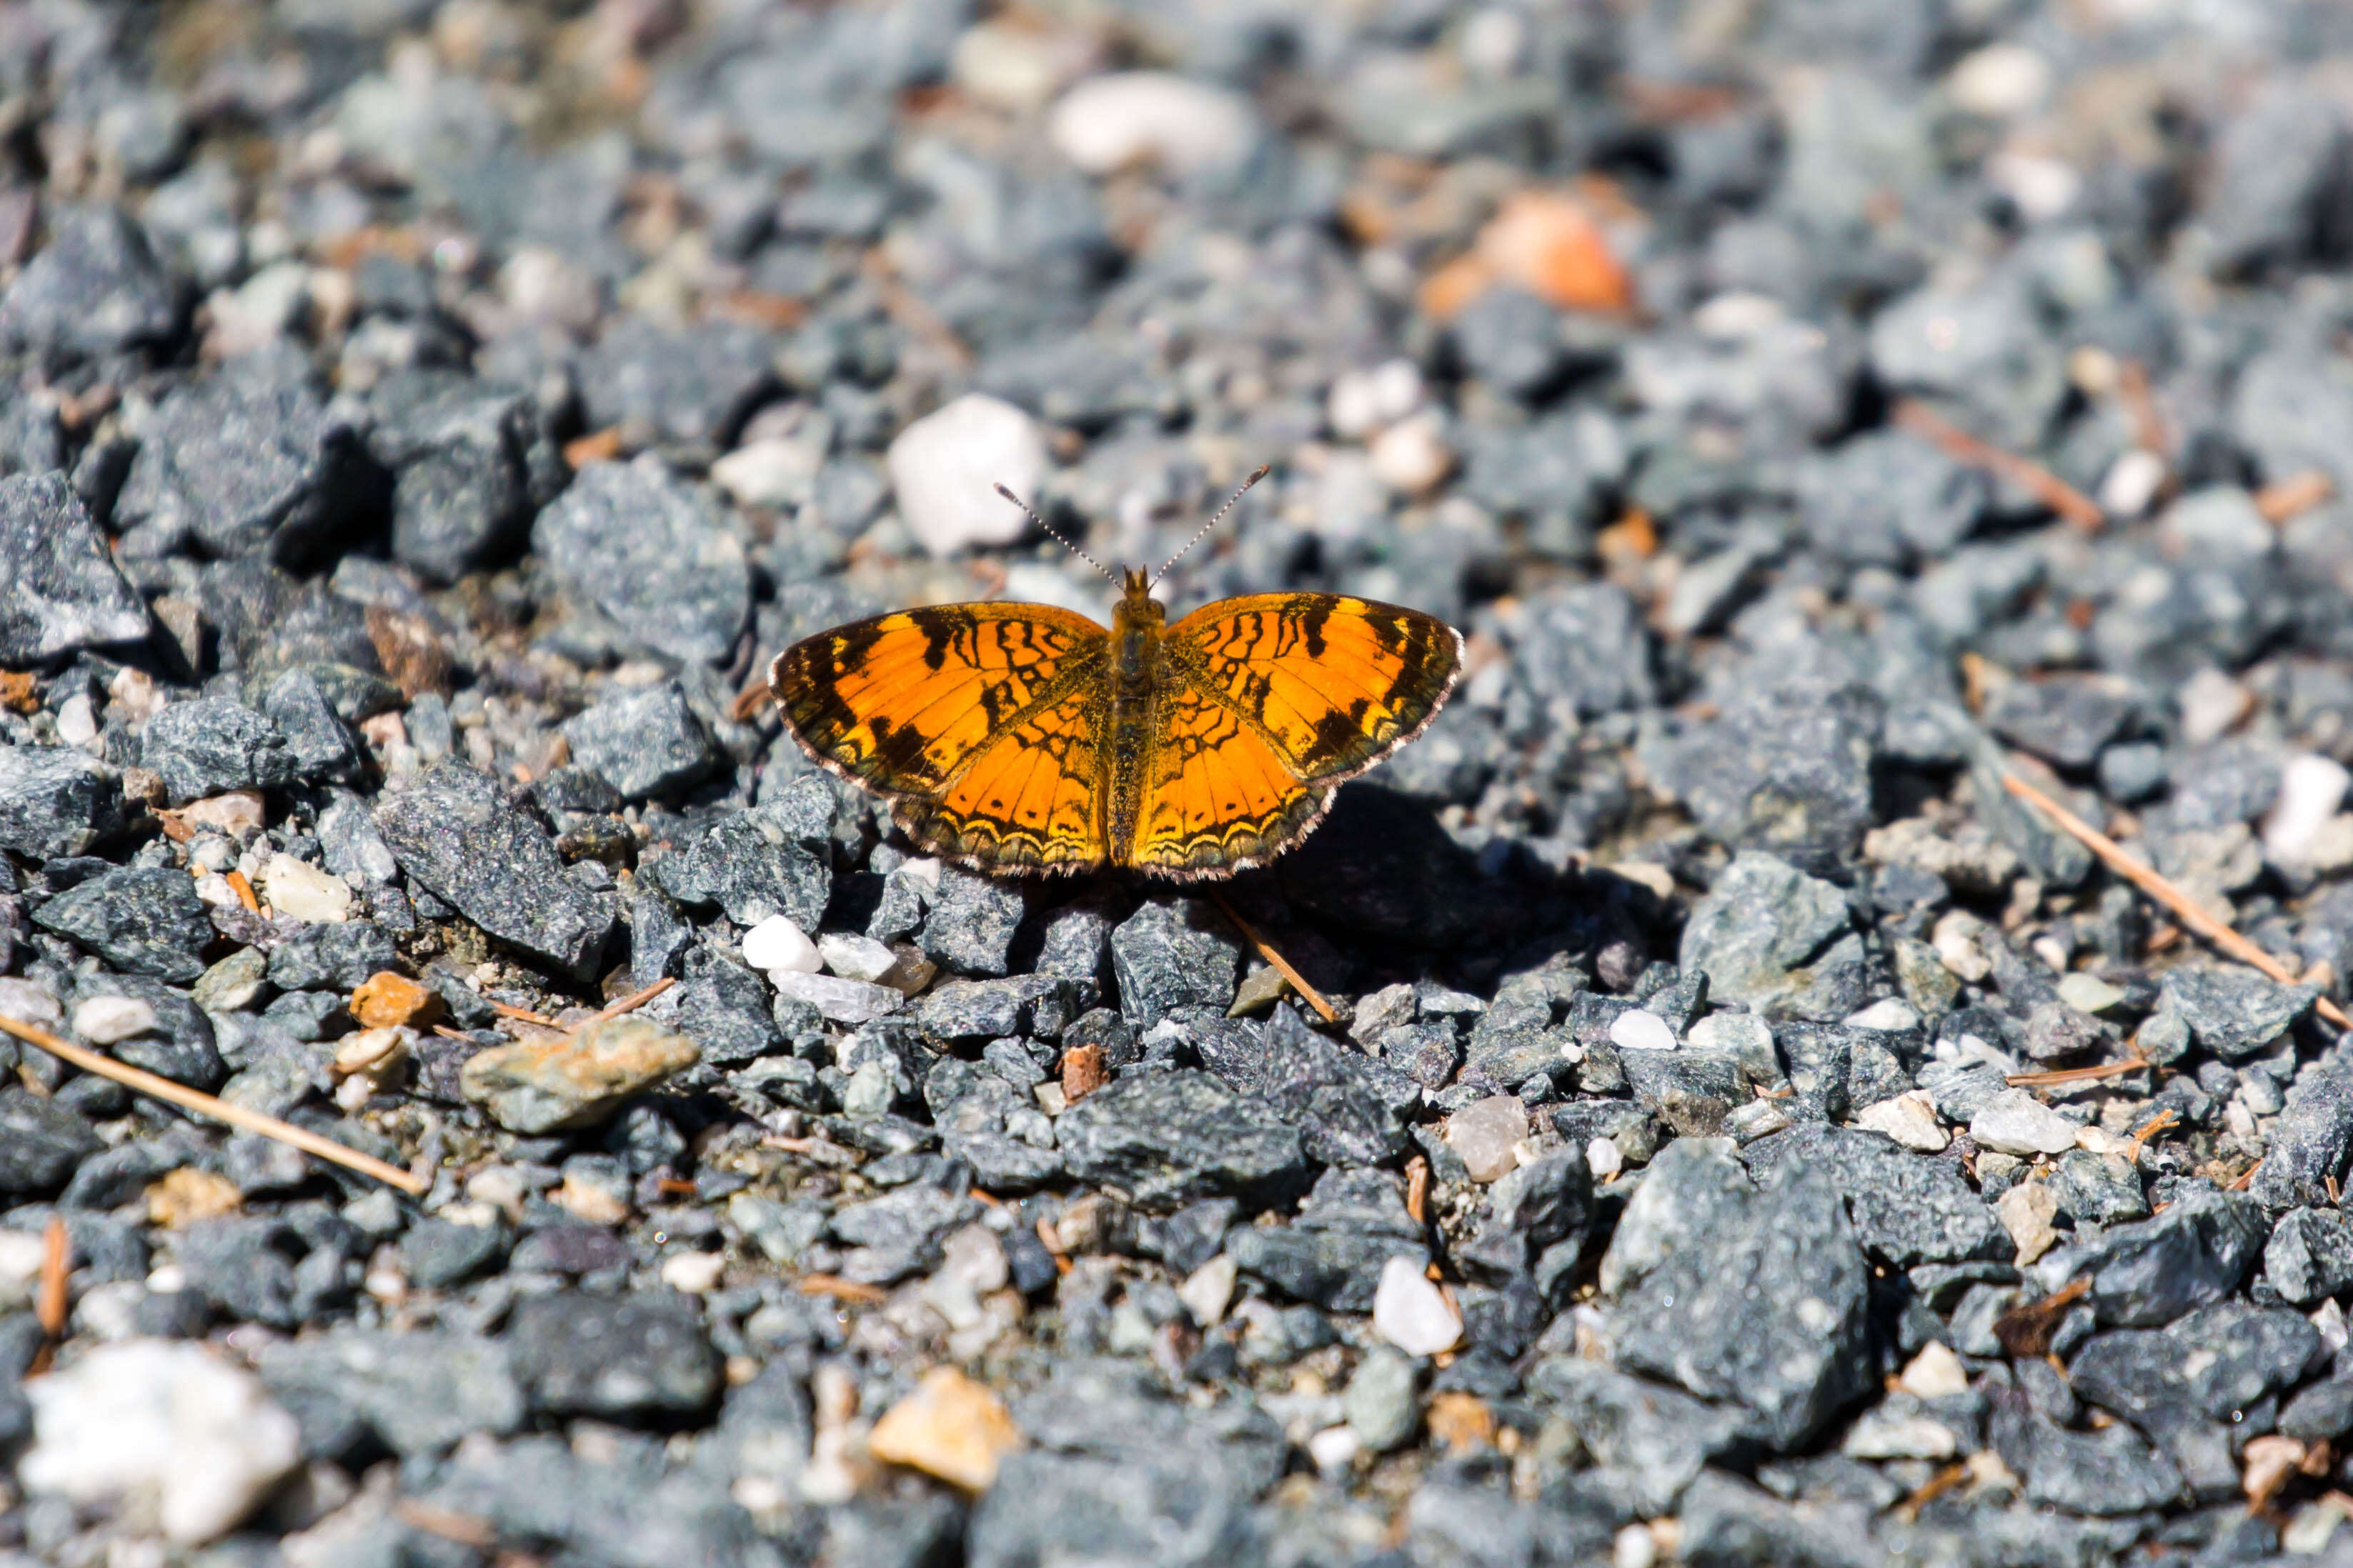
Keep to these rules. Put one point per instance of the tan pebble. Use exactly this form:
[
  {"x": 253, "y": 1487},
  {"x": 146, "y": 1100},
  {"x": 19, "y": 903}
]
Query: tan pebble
[
  {"x": 188, "y": 1194},
  {"x": 951, "y": 1427},
  {"x": 387, "y": 1000},
  {"x": 558, "y": 1082}
]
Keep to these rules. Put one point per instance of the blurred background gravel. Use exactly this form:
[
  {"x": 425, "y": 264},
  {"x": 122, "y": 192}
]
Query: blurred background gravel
[{"x": 420, "y": 423}]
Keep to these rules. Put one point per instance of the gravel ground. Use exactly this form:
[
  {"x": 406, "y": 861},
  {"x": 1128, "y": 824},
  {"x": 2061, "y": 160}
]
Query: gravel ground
[{"x": 421, "y": 425}]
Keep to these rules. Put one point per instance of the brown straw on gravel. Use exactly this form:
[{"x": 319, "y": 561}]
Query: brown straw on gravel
[
  {"x": 2024, "y": 472},
  {"x": 1281, "y": 964},
  {"x": 187, "y": 1099},
  {"x": 2165, "y": 892}
]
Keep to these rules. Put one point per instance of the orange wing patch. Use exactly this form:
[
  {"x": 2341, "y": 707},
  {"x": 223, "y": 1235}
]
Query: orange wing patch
[
  {"x": 1333, "y": 684},
  {"x": 1029, "y": 801},
  {"x": 945, "y": 712},
  {"x": 1217, "y": 797}
]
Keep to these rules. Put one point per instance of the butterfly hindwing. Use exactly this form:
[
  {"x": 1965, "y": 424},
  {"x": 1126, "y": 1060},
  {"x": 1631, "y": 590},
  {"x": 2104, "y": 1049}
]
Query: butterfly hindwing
[
  {"x": 947, "y": 710},
  {"x": 1216, "y": 798},
  {"x": 1333, "y": 684}
]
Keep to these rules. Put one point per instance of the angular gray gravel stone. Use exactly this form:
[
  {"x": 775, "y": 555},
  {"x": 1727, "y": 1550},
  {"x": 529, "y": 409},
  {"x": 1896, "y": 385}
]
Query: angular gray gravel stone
[
  {"x": 455, "y": 834},
  {"x": 2309, "y": 1254},
  {"x": 1658, "y": 1438},
  {"x": 643, "y": 744},
  {"x": 460, "y": 451},
  {"x": 146, "y": 920},
  {"x": 41, "y": 1142},
  {"x": 62, "y": 590},
  {"x": 2311, "y": 1141},
  {"x": 1170, "y": 955},
  {"x": 651, "y": 555},
  {"x": 212, "y": 745},
  {"x": 2231, "y": 1010},
  {"x": 1161, "y": 1140},
  {"x": 637, "y": 1358},
  {"x": 1788, "y": 770},
  {"x": 54, "y": 800},
  {"x": 2147, "y": 1274},
  {"x": 753, "y": 864},
  {"x": 1907, "y": 1208},
  {"x": 94, "y": 290},
  {"x": 1772, "y": 1312},
  {"x": 1763, "y": 929},
  {"x": 420, "y": 1393},
  {"x": 973, "y": 922},
  {"x": 2110, "y": 1471}
]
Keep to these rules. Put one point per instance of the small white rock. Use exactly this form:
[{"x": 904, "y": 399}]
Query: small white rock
[
  {"x": 176, "y": 1438},
  {"x": 1891, "y": 1014},
  {"x": 2087, "y": 993},
  {"x": 1602, "y": 1158},
  {"x": 2026, "y": 1212},
  {"x": 2000, "y": 81},
  {"x": 693, "y": 1273},
  {"x": 855, "y": 957},
  {"x": 1108, "y": 122},
  {"x": 777, "y": 472},
  {"x": 2211, "y": 705},
  {"x": 1362, "y": 401},
  {"x": 1956, "y": 942},
  {"x": 1412, "y": 1313},
  {"x": 1208, "y": 1290},
  {"x": 1934, "y": 1373},
  {"x": 2311, "y": 789},
  {"x": 1634, "y": 1547},
  {"x": 1334, "y": 1448},
  {"x": 1484, "y": 1133},
  {"x": 778, "y": 945},
  {"x": 2132, "y": 483},
  {"x": 29, "y": 1002},
  {"x": 107, "y": 1020},
  {"x": 946, "y": 466},
  {"x": 844, "y": 1001},
  {"x": 22, "y": 1253},
  {"x": 2015, "y": 1122},
  {"x": 1909, "y": 1118},
  {"x": 1636, "y": 1030},
  {"x": 301, "y": 891},
  {"x": 1411, "y": 456}
]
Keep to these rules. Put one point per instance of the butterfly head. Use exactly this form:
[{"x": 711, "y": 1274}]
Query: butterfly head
[{"x": 1136, "y": 605}]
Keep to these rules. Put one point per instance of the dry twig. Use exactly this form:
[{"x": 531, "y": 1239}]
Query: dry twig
[
  {"x": 846, "y": 1289},
  {"x": 2165, "y": 892},
  {"x": 187, "y": 1099},
  {"x": 2077, "y": 1075},
  {"x": 2024, "y": 472},
  {"x": 1283, "y": 965},
  {"x": 2026, "y": 1331},
  {"x": 2298, "y": 493},
  {"x": 629, "y": 1003}
]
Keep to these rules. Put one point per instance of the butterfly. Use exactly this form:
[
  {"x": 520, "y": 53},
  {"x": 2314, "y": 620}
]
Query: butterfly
[{"x": 1024, "y": 738}]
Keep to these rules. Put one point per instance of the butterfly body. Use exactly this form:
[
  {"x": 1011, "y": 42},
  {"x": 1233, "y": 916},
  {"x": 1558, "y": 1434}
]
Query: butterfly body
[{"x": 1024, "y": 738}]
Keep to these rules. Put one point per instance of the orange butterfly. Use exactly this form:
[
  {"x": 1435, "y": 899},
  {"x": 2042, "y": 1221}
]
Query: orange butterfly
[{"x": 1022, "y": 738}]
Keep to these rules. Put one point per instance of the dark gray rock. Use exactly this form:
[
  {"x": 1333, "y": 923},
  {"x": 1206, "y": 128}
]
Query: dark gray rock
[
  {"x": 725, "y": 1009},
  {"x": 94, "y": 290},
  {"x": 968, "y": 1010},
  {"x": 456, "y": 836},
  {"x": 62, "y": 590},
  {"x": 1584, "y": 649},
  {"x": 2098, "y": 1189},
  {"x": 2309, "y": 1254},
  {"x": 2064, "y": 719},
  {"x": 1531, "y": 1210},
  {"x": 436, "y": 1254},
  {"x": 2312, "y": 1138},
  {"x": 1336, "y": 1271},
  {"x": 1772, "y": 1313},
  {"x": 1511, "y": 338},
  {"x": 1658, "y": 1438},
  {"x": 1885, "y": 497},
  {"x": 899, "y": 1233},
  {"x": 689, "y": 384},
  {"x": 651, "y": 554},
  {"x": 1729, "y": 1523},
  {"x": 1173, "y": 954},
  {"x": 145, "y": 919},
  {"x": 2278, "y": 190},
  {"x": 332, "y": 956},
  {"x": 2111, "y": 1471},
  {"x": 637, "y": 1358},
  {"x": 1694, "y": 1188},
  {"x": 769, "y": 860},
  {"x": 2231, "y": 1010},
  {"x": 1349, "y": 1109},
  {"x": 461, "y": 455},
  {"x": 2321, "y": 1412},
  {"x": 319, "y": 742},
  {"x": 2149, "y": 1273},
  {"x": 1907, "y": 1208},
  {"x": 973, "y": 922},
  {"x": 54, "y": 801},
  {"x": 182, "y": 1046},
  {"x": 213, "y": 744},
  {"x": 248, "y": 461},
  {"x": 417, "y": 1393},
  {"x": 41, "y": 1143},
  {"x": 1789, "y": 771},
  {"x": 1162, "y": 1139},
  {"x": 643, "y": 744},
  {"x": 1768, "y": 936}
]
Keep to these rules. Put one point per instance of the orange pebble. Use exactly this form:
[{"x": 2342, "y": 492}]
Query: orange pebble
[
  {"x": 1550, "y": 245},
  {"x": 386, "y": 1001}
]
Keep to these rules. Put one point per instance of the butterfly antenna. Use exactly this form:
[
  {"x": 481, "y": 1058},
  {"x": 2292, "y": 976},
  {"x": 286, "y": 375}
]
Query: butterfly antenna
[
  {"x": 1203, "y": 533},
  {"x": 1050, "y": 529}
]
